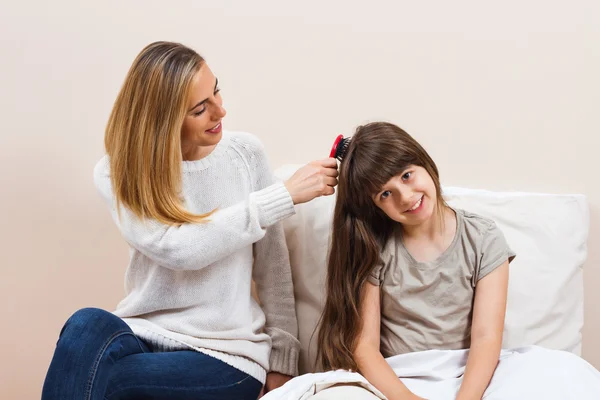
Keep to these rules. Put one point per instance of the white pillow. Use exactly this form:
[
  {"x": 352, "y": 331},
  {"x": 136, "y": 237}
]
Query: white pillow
[{"x": 548, "y": 233}]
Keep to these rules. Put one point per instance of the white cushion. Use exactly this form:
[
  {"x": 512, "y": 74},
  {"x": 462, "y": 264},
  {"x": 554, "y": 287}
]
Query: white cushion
[{"x": 548, "y": 232}]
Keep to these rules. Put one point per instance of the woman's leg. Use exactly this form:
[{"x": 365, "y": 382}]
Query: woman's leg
[
  {"x": 98, "y": 357},
  {"x": 179, "y": 375},
  {"x": 90, "y": 344}
]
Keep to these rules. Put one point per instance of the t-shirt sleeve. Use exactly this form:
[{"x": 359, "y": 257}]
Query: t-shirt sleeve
[
  {"x": 376, "y": 276},
  {"x": 494, "y": 251}
]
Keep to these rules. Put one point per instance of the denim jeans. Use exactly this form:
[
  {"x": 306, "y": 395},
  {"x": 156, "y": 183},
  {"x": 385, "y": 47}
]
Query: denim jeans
[{"x": 98, "y": 357}]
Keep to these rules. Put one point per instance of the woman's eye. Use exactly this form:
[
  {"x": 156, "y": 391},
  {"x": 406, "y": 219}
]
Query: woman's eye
[
  {"x": 406, "y": 176},
  {"x": 385, "y": 194},
  {"x": 197, "y": 114}
]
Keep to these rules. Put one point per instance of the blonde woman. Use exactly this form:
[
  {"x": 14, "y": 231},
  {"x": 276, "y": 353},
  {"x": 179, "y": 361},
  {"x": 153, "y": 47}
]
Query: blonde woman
[{"x": 201, "y": 212}]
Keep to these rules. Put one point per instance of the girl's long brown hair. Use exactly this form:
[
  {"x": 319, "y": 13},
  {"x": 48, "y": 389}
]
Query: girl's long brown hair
[
  {"x": 377, "y": 152},
  {"x": 143, "y": 134}
]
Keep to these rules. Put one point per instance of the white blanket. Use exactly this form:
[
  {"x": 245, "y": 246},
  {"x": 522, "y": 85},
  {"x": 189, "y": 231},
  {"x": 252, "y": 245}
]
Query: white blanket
[{"x": 525, "y": 373}]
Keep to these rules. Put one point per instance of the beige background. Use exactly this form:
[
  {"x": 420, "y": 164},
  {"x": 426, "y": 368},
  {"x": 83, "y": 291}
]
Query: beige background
[{"x": 504, "y": 96}]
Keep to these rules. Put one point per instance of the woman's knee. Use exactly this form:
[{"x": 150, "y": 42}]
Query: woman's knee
[{"x": 88, "y": 322}]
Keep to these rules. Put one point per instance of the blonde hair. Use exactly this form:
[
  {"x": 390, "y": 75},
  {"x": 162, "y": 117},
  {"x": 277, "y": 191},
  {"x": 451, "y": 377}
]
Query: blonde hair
[{"x": 143, "y": 134}]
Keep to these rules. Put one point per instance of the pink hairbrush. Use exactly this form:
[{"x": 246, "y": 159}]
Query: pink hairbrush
[{"x": 340, "y": 147}]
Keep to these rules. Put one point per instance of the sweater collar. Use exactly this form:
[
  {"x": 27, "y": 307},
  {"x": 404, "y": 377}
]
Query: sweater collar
[{"x": 203, "y": 163}]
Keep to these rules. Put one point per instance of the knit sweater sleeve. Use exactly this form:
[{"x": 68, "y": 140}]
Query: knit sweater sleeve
[
  {"x": 193, "y": 246},
  {"x": 273, "y": 277}
]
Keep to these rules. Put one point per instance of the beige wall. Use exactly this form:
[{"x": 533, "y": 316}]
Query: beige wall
[{"x": 504, "y": 95}]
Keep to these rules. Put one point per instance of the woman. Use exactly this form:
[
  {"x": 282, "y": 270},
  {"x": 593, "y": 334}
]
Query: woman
[{"x": 201, "y": 212}]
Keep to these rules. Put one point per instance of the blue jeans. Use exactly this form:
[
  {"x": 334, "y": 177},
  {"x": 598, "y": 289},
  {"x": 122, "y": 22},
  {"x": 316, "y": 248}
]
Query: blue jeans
[{"x": 98, "y": 357}]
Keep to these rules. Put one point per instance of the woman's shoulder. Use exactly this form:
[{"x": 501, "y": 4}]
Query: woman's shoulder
[
  {"x": 102, "y": 170},
  {"x": 249, "y": 147},
  {"x": 102, "y": 177},
  {"x": 246, "y": 141},
  {"x": 102, "y": 167}
]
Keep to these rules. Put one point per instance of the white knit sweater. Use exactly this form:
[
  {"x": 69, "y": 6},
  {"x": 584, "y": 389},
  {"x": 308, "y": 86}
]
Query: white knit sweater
[{"x": 190, "y": 286}]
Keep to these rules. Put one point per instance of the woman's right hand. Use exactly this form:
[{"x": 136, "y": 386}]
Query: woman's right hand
[{"x": 315, "y": 179}]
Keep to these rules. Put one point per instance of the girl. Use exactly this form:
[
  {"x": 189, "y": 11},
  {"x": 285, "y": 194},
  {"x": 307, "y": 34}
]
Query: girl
[
  {"x": 200, "y": 210},
  {"x": 406, "y": 272}
]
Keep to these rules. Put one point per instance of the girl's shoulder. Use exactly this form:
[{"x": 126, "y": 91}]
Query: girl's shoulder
[
  {"x": 485, "y": 240},
  {"x": 388, "y": 250},
  {"x": 474, "y": 224}
]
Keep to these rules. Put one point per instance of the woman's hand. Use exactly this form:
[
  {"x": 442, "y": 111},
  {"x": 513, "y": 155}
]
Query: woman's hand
[
  {"x": 275, "y": 380},
  {"x": 315, "y": 179}
]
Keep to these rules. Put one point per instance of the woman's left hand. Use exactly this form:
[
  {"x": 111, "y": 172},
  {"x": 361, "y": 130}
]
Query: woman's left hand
[{"x": 275, "y": 380}]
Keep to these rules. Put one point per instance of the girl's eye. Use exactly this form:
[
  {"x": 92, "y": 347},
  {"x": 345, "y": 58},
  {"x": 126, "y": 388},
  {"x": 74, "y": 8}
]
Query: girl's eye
[
  {"x": 406, "y": 176},
  {"x": 385, "y": 194}
]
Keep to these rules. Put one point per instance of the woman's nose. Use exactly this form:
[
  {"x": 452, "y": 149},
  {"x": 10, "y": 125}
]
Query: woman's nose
[{"x": 220, "y": 112}]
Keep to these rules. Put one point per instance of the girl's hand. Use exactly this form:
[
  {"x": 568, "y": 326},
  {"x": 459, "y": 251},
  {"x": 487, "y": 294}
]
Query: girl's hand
[{"x": 315, "y": 179}]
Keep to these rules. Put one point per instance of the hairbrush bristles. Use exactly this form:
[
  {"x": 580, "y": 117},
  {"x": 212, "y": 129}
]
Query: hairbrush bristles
[{"x": 340, "y": 147}]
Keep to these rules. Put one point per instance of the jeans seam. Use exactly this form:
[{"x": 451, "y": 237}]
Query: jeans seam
[
  {"x": 216, "y": 387},
  {"x": 94, "y": 369}
]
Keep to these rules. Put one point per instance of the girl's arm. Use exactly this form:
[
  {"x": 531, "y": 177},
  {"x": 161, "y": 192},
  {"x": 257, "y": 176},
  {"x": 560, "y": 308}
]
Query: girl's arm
[
  {"x": 371, "y": 363},
  {"x": 486, "y": 333}
]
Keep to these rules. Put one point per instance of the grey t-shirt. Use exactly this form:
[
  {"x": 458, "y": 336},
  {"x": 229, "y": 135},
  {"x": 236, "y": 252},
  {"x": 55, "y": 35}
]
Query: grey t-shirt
[{"x": 428, "y": 305}]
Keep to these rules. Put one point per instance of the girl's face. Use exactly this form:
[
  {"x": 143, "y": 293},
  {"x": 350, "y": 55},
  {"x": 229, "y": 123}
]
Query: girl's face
[
  {"x": 409, "y": 197},
  {"x": 202, "y": 124}
]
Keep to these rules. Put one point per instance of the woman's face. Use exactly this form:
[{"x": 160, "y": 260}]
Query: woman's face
[{"x": 202, "y": 127}]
